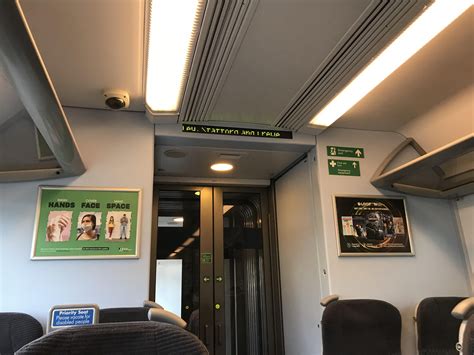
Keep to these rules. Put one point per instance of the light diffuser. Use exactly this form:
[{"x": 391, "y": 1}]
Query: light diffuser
[
  {"x": 173, "y": 28},
  {"x": 431, "y": 22}
]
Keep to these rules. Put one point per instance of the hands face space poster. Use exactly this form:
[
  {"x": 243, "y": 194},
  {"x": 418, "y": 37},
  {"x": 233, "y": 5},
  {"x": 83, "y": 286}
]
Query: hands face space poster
[
  {"x": 372, "y": 225},
  {"x": 86, "y": 223}
]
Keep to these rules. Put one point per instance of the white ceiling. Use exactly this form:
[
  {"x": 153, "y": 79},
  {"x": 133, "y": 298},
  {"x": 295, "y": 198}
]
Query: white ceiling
[
  {"x": 91, "y": 45},
  {"x": 248, "y": 164},
  {"x": 442, "y": 68},
  {"x": 284, "y": 45}
]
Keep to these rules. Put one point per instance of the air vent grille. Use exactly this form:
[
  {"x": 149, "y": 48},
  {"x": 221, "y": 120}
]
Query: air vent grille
[
  {"x": 224, "y": 26},
  {"x": 376, "y": 27}
]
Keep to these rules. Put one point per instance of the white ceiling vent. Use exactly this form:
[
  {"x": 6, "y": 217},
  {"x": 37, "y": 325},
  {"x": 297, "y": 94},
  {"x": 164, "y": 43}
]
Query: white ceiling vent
[
  {"x": 375, "y": 28},
  {"x": 224, "y": 26}
]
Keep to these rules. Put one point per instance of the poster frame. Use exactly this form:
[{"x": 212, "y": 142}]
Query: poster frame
[
  {"x": 41, "y": 188},
  {"x": 376, "y": 197}
]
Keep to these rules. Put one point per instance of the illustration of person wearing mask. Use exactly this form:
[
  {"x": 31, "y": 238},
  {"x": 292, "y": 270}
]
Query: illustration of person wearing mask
[
  {"x": 54, "y": 231},
  {"x": 88, "y": 224},
  {"x": 111, "y": 226}
]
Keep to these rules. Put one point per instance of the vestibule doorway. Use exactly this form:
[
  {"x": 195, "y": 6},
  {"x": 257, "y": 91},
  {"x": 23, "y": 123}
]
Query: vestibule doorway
[{"x": 214, "y": 263}]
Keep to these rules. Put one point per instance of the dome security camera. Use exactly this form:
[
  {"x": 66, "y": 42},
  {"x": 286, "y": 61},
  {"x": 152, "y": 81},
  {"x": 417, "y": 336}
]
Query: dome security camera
[{"x": 116, "y": 99}]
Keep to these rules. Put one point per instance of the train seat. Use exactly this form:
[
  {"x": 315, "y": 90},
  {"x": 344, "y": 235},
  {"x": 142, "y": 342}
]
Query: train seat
[
  {"x": 123, "y": 314},
  {"x": 16, "y": 330},
  {"x": 436, "y": 329},
  {"x": 150, "y": 311},
  {"x": 465, "y": 312},
  {"x": 360, "y": 327},
  {"x": 117, "y": 338}
]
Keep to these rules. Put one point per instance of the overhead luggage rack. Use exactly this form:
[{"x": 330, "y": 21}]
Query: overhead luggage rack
[{"x": 447, "y": 172}]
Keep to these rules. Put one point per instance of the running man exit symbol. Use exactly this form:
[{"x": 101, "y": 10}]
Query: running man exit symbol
[{"x": 347, "y": 152}]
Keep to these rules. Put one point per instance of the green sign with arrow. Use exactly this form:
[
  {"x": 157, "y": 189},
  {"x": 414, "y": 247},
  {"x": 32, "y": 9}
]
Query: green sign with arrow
[
  {"x": 348, "y": 152},
  {"x": 344, "y": 167}
]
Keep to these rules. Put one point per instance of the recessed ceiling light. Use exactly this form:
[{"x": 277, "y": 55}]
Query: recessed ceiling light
[
  {"x": 178, "y": 219},
  {"x": 429, "y": 24},
  {"x": 173, "y": 29},
  {"x": 222, "y": 167}
]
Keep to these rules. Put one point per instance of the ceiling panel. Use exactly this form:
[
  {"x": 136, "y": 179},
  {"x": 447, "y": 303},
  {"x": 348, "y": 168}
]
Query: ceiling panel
[
  {"x": 442, "y": 68},
  {"x": 90, "y": 45},
  {"x": 284, "y": 45},
  {"x": 252, "y": 164}
]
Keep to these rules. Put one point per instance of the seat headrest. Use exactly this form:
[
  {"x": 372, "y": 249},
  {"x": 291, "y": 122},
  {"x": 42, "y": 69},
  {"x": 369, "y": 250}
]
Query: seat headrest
[
  {"x": 464, "y": 309},
  {"x": 113, "y": 338}
]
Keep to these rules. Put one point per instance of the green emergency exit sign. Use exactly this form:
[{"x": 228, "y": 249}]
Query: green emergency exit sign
[
  {"x": 348, "y": 152},
  {"x": 344, "y": 167}
]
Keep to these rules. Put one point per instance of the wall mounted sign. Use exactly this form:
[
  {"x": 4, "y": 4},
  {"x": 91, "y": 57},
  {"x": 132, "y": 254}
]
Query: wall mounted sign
[
  {"x": 372, "y": 225},
  {"x": 232, "y": 131},
  {"x": 64, "y": 316},
  {"x": 86, "y": 223},
  {"x": 348, "y": 152},
  {"x": 344, "y": 167}
]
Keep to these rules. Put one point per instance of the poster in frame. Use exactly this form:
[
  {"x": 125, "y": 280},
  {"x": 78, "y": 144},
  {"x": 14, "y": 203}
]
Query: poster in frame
[
  {"x": 86, "y": 223},
  {"x": 372, "y": 226}
]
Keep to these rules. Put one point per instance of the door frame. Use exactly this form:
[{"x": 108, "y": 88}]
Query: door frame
[{"x": 274, "y": 319}]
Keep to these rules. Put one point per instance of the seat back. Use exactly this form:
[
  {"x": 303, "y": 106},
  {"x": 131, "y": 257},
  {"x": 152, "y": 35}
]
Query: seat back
[
  {"x": 464, "y": 311},
  {"x": 16, "y": 330},
  {"x": 361, "y": 327},
  {"x": 437, "y": 330},
  {"x": 117, "y": 338},
  {"x": 123, "y": 314}
]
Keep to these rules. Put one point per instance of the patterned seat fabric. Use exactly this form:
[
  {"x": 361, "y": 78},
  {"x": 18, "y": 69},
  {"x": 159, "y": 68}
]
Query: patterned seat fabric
[
  {"x": 117, "y": 338},
  {"x": 16, "y": 330}
]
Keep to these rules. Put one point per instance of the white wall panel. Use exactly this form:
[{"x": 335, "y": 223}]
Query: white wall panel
[
  {"x": 465, "y": 214},
  {"x": 437, "y": 269},
  {"x": 300, "y": 284},
  {"x": 117, "y": 148}
]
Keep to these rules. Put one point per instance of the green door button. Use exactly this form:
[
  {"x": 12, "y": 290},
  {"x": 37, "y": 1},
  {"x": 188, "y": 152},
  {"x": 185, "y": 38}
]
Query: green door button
[{"x": 217, "y": 306}]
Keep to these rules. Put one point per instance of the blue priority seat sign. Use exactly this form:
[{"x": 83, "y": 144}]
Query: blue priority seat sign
[{"x": 72, "y": 315}]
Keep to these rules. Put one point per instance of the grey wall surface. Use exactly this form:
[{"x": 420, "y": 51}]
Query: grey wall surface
[
  {"x": 465, "y": 214},
  {"x": 117, "y": 148},
  {"x": 299, "y": 267},
  {"x": 450, "y": 120},
  {"x": 437, "y": 269}
]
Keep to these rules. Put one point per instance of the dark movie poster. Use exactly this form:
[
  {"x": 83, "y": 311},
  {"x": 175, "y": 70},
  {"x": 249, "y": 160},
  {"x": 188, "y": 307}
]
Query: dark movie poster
[{"x": 372, "y": 225}]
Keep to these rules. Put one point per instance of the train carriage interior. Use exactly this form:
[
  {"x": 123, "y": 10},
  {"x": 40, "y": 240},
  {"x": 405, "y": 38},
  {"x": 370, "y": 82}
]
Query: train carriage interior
[{"x": 232, "y": 177}]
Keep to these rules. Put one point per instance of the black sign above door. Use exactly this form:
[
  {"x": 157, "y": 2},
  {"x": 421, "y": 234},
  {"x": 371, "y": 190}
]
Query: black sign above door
[{"x": 232, "y": 131}]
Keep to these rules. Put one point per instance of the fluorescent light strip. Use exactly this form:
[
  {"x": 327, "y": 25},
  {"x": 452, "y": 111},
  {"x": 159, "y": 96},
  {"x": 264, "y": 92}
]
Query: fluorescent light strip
[
  {"x": 429, "y": 24},
  {"x": 173, "y": 31}
]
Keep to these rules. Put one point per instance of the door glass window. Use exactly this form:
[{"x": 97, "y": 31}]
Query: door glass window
[
  {"x": 177, "y": 264},
  {"x": 245, "y": 310}
]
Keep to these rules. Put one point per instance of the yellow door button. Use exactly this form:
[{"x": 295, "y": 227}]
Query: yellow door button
[{"x": 217, "y": 306}]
